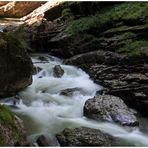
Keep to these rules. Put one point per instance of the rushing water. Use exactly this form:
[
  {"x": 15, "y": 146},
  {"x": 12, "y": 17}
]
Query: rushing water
[{"x": 45, "y": 111}]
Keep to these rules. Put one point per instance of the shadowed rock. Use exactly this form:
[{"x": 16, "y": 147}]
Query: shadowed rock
[{"x": 15, "y": 64}]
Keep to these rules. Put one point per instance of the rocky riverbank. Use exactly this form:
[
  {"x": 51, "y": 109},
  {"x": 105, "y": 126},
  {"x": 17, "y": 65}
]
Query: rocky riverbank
[
  {"x": 16, "y": 74},
  {"x": 107, "y": 40},
  {"x": 109, "y": 43}
]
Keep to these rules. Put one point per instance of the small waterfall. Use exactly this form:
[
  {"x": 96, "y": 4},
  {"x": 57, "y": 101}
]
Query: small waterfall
[{"x": 46, "y": 111}]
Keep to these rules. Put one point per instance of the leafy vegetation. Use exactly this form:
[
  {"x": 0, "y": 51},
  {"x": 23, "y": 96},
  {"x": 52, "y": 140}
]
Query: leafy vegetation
[
  {"x": 134, "y": 48},
  {"x": 118, "y": 22},
  {"x": 67, "y": 14},
  {"x": 15, "y": 40},
  {"x": 6, "y": 117},
  {"x": 125, "y": 13}
]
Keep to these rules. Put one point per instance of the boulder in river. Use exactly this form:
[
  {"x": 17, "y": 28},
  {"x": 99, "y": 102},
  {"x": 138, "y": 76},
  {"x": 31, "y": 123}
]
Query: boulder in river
[
  {"x": 84, "y": 137},
  {"x": 44, "y": 141},
  {"x": 110, "y": 108},
  {"x": 71, "y": 91},
  {"x": 58, "y": 71},
  {"x": 36, "y": 70}
]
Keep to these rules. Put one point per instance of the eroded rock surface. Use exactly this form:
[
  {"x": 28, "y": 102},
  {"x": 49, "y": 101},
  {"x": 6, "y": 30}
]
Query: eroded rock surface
[
  {"x": 109, "y": 108},
  {"x": 84, "y": 137}
]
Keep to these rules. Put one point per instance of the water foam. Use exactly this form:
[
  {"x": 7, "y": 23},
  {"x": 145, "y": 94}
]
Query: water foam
[{"x": 51, "y": 112}]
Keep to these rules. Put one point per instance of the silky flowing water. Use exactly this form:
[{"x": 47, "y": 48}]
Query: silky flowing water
[{"x": 46, "y": 112}]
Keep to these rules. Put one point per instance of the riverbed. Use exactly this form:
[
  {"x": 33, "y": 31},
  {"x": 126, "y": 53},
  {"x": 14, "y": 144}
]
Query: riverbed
[{"x": 46, "y": 111}]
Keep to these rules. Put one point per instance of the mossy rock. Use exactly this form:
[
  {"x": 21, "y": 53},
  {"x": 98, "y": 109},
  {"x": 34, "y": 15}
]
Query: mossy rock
[
  {"x": 16, "y": 39},
  {"x": 15, "y": 63},
  {"x": 128, "y": 13},
  {"x": 67, "y": 14},
  {"x": 6, "y": 116},
  {"x": 136, "y": 48},
  {"x": 11, "y": 129}
]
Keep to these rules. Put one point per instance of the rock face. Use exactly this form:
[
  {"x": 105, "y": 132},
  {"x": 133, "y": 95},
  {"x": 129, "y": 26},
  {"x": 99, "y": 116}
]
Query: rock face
[
  {"x": 99, "y": 56},
  {"x": 84, "y": 137},
  {"x": 15, "y": 64},
  {"x": 126, "y": 81},
  {"x": 12, "y": 131},
  {"x": 109, "y": 108},
  {"x": 110, "y": 44}
]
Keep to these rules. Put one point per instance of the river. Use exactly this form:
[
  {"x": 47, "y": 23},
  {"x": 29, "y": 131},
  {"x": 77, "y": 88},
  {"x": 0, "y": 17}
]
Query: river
[{"x": 46, "y": 111}]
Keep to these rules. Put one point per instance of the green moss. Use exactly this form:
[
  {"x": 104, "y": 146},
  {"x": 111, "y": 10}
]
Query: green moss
[
  {"x": 15, "y": 40},
  {"x": 79, "y": 26},
  {"x": 126, "y": 35},
  {"x": 124, "y": 13},
  {"x": 3, "y": 43},
  {"x": 2, "y": 141},
  {"x": 135, "y": 48},
  {"x": 67, "y": 14},
  {"x": 9, "y": 128},
  {"x": 6, "y": 116}
]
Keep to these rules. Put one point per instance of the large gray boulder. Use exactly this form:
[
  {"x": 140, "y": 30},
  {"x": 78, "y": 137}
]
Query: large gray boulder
[
  {"x": 84, "y": 137},
  {"x": 109, "y": 108}
]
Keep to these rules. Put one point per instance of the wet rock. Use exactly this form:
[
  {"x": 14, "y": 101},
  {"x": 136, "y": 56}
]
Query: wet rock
[
  {"x": 43, "y": 59},
  {"x": 113, "y": 54},
  {"x": 58, "y": 71},
  {"x": 36, "y": 70},
  {"x": 44, "y": 141},
  {"x": 12, "y": 131},
  {"x": 84, "y": 137},
  {"x": 126, "y": 81},
  {"x": 110, "y": 108},
  {"x": 71, "y": 91}
]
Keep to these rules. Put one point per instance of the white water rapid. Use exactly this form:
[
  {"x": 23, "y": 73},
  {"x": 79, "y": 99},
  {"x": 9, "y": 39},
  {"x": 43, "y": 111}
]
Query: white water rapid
[{"x": 47, "y": 112}]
